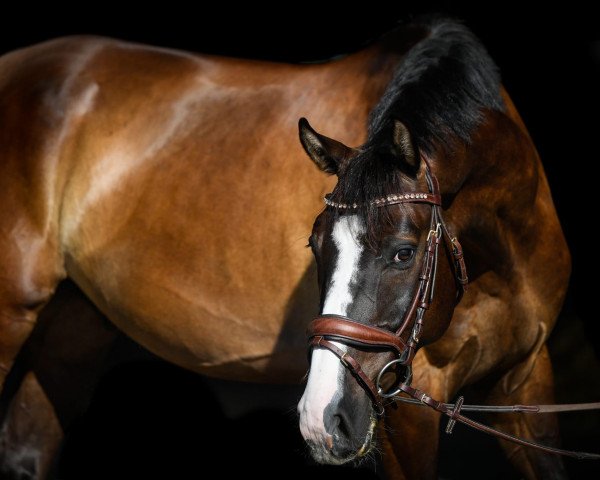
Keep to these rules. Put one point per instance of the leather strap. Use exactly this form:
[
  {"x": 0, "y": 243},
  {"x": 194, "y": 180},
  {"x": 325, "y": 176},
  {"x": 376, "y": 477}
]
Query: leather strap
[
  {"x": 418, "y": 397},
  {"x": 460, "y": 269},
  {"x": 454, "y": 413},
  {"x": 354, "y": 367},
  {"x": 556, "y": 408},
  {"x": 339, "y": 327}
]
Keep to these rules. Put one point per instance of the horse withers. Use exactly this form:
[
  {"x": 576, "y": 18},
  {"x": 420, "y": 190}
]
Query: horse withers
[{"x": 446, "y": 158}]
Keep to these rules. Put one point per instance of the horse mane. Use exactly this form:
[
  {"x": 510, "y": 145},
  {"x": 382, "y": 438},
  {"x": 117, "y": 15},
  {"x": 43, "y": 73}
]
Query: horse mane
[
  {"x": 441, "y": 87},
  {"x": 440, "y": 91}
]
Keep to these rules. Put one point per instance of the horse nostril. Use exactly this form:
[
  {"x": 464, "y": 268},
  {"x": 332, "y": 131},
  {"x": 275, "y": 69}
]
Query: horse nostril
[
  {"x": 341, "y": 445},
  {"x": 341, "y": 427},
  {"x": 334, "y": 423}
]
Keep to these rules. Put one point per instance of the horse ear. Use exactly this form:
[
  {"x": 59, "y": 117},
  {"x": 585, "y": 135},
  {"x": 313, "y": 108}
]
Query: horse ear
[
  {"x": 327, "y": 153},
  {"x": 403, "y": 145}
]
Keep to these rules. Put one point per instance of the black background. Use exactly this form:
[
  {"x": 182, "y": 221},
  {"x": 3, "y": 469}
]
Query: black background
[{"x": 152, "y": 417}]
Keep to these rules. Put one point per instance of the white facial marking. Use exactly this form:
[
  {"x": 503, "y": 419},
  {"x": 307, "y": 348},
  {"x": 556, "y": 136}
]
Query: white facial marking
[
  {"x": 345, "y": 235},
  {"x": 326, "y": 370}
]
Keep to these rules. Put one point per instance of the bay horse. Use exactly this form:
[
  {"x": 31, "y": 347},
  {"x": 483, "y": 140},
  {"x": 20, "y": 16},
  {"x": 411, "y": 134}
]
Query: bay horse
[{"x": 170, "y": 187}]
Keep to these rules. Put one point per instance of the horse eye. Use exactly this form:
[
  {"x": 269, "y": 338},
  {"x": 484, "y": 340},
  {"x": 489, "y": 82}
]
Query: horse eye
[{"x": 404, "y": 255}]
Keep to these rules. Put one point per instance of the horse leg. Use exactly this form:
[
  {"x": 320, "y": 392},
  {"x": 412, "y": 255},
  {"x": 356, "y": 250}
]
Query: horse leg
[
  {"x": 409, "y": 443},
  {"x": 62, "y": 362},
  {"x": 530, "y": 382},
  {"x": 30, "y": 269},
  {"x": 31, "y": 433}
]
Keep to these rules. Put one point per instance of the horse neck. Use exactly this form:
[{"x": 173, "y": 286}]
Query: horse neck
[{"x": 489, "y": 189}]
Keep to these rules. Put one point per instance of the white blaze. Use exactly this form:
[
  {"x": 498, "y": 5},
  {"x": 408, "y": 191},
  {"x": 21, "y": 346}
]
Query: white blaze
[
  {"x": 326, "y": 370},
  {"x": 345, "y": 233}
]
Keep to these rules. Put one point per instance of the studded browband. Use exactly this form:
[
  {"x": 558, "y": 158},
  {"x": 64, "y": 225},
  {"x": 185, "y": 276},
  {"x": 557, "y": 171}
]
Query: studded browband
[{"x": 389, "y": 200}]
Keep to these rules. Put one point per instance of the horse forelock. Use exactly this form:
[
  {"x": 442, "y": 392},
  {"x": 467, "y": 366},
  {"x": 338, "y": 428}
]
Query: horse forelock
[{"x": 367, "y": 177}]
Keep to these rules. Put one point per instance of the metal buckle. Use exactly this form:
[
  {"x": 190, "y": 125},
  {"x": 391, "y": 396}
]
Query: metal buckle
[
  {"x": 436, "y": 233},
  {"x": 416, "y": 333},
  {"x": 454, "y": 242}
]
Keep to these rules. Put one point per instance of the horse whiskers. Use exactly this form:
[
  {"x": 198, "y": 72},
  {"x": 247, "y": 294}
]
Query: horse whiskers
[{"x": 368, "y": 444}]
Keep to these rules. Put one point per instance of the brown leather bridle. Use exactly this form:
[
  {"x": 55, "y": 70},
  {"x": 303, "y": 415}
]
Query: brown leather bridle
[{"x": 326, "y": 329}]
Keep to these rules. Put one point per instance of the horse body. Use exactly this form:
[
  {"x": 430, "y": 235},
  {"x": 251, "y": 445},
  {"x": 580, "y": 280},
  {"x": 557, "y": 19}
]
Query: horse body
[
  {"x": 152, "y": 170},
  {"x": 171, "y": 189}
]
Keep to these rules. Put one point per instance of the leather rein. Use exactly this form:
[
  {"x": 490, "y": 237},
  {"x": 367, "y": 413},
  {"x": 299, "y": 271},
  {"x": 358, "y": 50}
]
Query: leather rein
[{"x": 324, "y": 330}]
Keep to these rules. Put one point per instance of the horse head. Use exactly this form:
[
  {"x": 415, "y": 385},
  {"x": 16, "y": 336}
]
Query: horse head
[{"x": 376, "y": 247}]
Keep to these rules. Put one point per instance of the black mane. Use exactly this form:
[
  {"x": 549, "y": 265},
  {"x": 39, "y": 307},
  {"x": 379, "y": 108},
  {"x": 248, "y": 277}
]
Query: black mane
[
  {"x": 440, "y": 87},
  {"x": 439, "y": 91}
]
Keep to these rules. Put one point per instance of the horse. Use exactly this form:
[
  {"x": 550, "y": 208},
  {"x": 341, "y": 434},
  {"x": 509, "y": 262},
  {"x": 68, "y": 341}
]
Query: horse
[
  {"x": 171, "y": 189},
  {"x": 446, "y": 157}
]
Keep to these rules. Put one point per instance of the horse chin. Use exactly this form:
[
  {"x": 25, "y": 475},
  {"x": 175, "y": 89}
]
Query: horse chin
[{"x": 326, "y": 457}]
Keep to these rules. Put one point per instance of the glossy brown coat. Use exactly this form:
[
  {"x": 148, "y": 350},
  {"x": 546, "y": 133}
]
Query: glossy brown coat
[{"x": 172, "y": 189}]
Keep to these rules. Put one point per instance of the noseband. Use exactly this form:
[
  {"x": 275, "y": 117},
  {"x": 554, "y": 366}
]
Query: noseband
[{"x": 325, "y": 329}]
